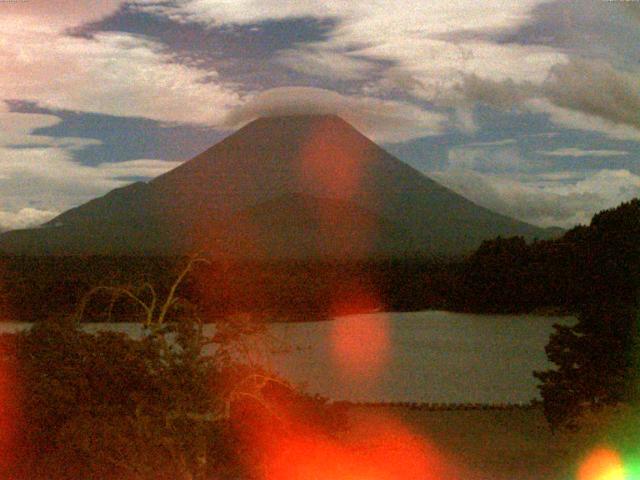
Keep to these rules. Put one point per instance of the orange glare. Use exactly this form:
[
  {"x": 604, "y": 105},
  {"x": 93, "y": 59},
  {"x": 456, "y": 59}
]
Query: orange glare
[
  {"x": 360, "y": 344},
  {"x": 376, "y": 449},
  {"x": 8, "y": 410},
  {"x": 602, "y": 464},
  {"x": 331, "y": 164}
]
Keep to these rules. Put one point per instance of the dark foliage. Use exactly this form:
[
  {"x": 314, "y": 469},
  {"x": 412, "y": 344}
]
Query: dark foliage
[
  {"x": 596, "y": 359},
  {"x": 110, "y": 407},
  {"x": 33, "y": 288}
]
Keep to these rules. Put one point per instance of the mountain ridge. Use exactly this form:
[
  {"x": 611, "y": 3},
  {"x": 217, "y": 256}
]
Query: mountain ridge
[{"x": 319, "y": 157}]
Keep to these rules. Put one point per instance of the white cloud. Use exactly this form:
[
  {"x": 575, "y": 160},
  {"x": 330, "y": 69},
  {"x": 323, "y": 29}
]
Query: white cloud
[
  {"x": 495, "y": 143},
  {"x": 24, "y": 218},
  {"x": 576, "y": 120},
  {"x": 576, "y": 152},
  {"x": 217, "y": 12},
  {"x": 384, "y": 120},
  {"x": 112, "y": 73},
  {"x": 576, "y": 94},
  {"x": 360, "y": 19},
  {"x": 147, "y": 168},
  {"x": 41, "y": 178},
  {"x": 501, "y": 157},
  {"x": 409, "y": 36},
  {"x": 16, "y": 128},
  {"x": 319, "y": 61},
  {"x": 49, "y": 180},
  {"x": 497, "y": 176},
  {"x": 562, "y": 199},
  {"x": 60, "y": 14},
  {"x": 464, "y": 120},
  {"x": 596, "y": 89},
  {"x": 541, "y": 135}
]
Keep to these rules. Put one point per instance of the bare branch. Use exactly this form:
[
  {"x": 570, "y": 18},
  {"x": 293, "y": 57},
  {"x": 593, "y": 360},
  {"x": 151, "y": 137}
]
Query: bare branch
[{"x": 172, "y": 292}]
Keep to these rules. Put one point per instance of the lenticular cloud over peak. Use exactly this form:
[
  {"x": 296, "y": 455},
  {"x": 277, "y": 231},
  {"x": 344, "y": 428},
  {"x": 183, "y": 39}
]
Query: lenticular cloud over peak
[{"x": 385, "y": 121}]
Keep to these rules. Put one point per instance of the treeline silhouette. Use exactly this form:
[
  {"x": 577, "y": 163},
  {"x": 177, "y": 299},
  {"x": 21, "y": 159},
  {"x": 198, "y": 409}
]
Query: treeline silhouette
[
  {"x": 33, "y": 288},
  {"x": 596, "y": 359},
  {"x": 504, "y": 275}
]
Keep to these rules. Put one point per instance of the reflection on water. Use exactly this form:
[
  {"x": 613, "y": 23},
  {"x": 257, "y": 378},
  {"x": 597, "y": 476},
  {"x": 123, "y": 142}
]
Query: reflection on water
[{"x": 432, "y": 356}]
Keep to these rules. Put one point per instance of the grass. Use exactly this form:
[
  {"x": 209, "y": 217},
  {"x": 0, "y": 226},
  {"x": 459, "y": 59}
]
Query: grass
[{"x": 511, "y": 444}]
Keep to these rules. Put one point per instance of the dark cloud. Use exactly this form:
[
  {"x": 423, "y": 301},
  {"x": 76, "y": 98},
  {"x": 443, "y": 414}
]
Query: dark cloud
[
  {"x": 595, "y": 88},
  {"x": 591, "y": 28},
  {"x": 587, "y": 87},
  {"x": 241, "y": 53},
  {"x": 501, "y": 94},
  {"x": 123, "y": 138}
]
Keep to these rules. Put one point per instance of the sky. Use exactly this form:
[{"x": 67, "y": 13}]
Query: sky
[{"x": 530, "y": 108}]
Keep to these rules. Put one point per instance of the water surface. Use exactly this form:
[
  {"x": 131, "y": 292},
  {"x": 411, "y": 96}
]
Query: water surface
[{"x": 432, "y": 356}]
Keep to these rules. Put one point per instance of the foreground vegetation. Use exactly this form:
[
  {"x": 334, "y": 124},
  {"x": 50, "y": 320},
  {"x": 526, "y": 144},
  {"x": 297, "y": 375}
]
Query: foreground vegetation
[
  {"x": 516, "y": 443},
  {"x": 108, "y": 406},
  {"x": 501, "y": 276}
]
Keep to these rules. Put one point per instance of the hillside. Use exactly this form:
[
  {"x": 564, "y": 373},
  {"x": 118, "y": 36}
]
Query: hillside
[{"x": 231, "y": 200}]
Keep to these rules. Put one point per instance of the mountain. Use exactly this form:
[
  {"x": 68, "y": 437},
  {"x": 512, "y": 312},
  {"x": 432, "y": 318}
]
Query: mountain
[{"x": 280, "y": 187}]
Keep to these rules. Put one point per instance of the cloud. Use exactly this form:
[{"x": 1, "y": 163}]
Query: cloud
[
  {"x": 497, "y": 176},
  {"x": 40, "y": 178},
  {"x": 576, "y": 120},
  {"x": 409, "y": 38},
  {"x": 501, "y": 94},
  {"x": 562, "y": 199},
  {"x": 49, "y": 180},
  {"x": 16, "y": 128},
  {"x": 60, "y": 14},
  {"x": 384, "y": 120},
  {"x": 486, "y": 157},
  {"x": 495, "y": 143},
  {"x": 319, "y": 61},
  {"x": 541, "y": 135},
  {"x": 579, "y": 94},
  {"x": 218, "y": 12},
  {"x": 147, "y": 168},
  {"x": 111, "y": 73},
  {"x": 362, "y": 19},
  {"x": 576, "y": 152},
  {"x": 596, "y": 89},
  {"x": 24, "y": 218}
]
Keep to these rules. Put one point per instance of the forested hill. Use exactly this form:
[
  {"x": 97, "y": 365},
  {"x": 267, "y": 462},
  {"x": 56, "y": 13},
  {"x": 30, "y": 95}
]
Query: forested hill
[
  {"x": 504, "y": 275},
  {"x": 585, "y": 265}
]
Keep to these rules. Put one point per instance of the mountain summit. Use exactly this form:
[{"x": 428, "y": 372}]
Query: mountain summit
[{"x": 280, "y": 187}]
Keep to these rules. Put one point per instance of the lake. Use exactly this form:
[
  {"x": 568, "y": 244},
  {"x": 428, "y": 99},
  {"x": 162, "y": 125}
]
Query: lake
[{"x": 429, "y": 356}]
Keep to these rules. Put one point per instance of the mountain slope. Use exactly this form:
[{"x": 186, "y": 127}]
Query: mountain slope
[{"x": 306, "y": 169}]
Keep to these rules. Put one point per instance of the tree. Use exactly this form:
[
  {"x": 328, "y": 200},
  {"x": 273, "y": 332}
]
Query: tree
[
  {"x": 109, "y": 406},
  {"x": 596, "y": 358},
  {"x": 106, "y": 405},
  {"x": 494, "y": 276},
  {"x": 595, "y": 364}
]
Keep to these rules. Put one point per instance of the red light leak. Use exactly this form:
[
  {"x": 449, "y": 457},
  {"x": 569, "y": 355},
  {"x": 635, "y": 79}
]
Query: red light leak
[
  {"x": 602, "y": 464},
  {"x": 377, "y": 449},
  {"x": 360, "y": 345},
  {"x": 374, "y": 447},
  {"x": 9, "y": 409},
  {"x": 334, "y": 167}
]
